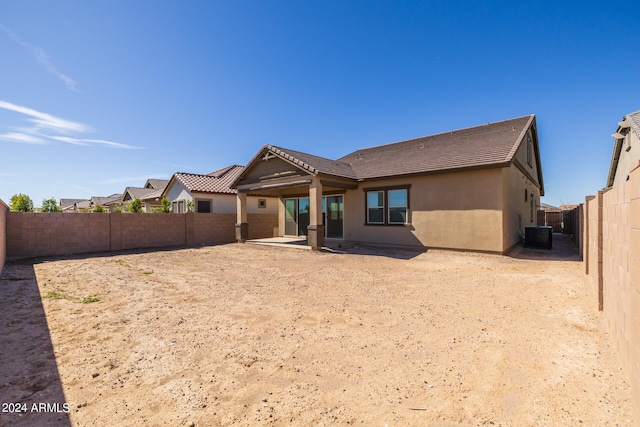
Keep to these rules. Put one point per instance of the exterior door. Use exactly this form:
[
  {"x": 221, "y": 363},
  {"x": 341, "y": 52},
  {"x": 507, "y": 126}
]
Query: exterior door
[
  {"x": 334, "y": 215},
  {"x": 291, "y": 217}
]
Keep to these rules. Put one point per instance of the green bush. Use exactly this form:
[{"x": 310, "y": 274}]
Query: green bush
[
  {"x": 50, "y": 205},
  {"x": 135, "y": 206},
  {"x": 21, "y": 203},
  {"x": 98, "y": 209},
  {"x": 166, "y": 205}
]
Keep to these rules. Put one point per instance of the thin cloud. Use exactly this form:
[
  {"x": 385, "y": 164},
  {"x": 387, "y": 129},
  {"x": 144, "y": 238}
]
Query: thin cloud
[
  {"x": 22, "y": 138},
  {"x": 78, "y": 141},
  {"x": 45, "y": 127},
  {"x": 42, "y": 57}
]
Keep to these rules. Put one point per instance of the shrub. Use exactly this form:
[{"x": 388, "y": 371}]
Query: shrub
[
  {"x": 166, "y": 205},
  {"x": 135, "y": 206},
  {"x": 98, "y": 209},
  {"x": 21, "y": 203},
  {"x": 50, "y": 205},
  {"x": 191, "y": 207}
]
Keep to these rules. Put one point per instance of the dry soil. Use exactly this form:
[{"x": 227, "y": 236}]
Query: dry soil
[{"x": 256, "y": 335}]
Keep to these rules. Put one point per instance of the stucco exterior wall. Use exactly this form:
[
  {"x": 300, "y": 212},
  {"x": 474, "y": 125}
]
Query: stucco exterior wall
[
  {"x": 223, "y": 203},
  {"x": 517, "y": 211},
  {"x": 4, "y": 209},
  {"x": 460, "y": 210},
  {"x": 521, "y": 157},
  {"x": 629, "y": 157}
]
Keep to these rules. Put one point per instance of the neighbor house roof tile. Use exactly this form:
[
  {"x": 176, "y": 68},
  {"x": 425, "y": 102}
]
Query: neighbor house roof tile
[{"x": 215, "y": 182}]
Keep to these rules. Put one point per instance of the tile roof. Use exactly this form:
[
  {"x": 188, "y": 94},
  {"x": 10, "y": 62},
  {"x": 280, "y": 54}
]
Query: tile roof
[
  {"x": 156, "y": 184},
  {"x": 137, "y": 192},
  {"x": 489, "y": 145},
  {"x": 68, "y": 203},
  {"x": 99, "y": 200},
  {"x": 479, "y": 146},
  {"x": 315, "y": 164},
  {"x": 634, "y": 121},
  {"x": 215, "y": 182}
]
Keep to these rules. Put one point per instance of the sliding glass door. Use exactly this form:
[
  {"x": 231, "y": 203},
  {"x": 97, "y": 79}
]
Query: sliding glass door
[{"x": 297, "y": 219}]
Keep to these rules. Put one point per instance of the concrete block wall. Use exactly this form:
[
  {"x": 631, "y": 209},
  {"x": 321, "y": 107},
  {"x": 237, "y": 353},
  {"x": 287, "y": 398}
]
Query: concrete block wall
[
  {"x": 262, "y": 225},
  {"x": 4, "y": 209},
  {"x": 31, "y": 235},
  {"x": 612, "y": 258},
  {"x": 211, "y": 229},
  {"x": 41, "y": 234}
]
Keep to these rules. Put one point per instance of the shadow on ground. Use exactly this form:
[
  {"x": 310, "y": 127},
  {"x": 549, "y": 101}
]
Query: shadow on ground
[
  {"x": 31, "y": 393},
  {"x": 563, "y": 249}
]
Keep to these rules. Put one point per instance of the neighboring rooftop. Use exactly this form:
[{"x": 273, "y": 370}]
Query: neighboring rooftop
[{"x": 214, "y": 182}]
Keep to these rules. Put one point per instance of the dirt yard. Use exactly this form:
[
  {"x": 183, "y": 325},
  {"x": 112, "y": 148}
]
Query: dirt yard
[{"x": 256, "y": 335}]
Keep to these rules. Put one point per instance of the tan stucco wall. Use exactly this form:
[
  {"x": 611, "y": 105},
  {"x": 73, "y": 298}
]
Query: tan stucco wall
[
  {"x": 520, "y": 156},
  {"x": 460, "y": 210},
  {"x": 517, "y": 213},
  {"x": 222, "y": 203},
  {"x": 3, "y": 234},
  {"x": 628, "y": 159}
]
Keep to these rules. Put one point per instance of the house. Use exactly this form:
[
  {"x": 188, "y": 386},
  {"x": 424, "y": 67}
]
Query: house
[
  {"x": 211, "y": 193},
  {"x": 105, "y": 202},
  {"x": 626, "y": 149},
  {"x": 69, "y": 205},
  {"x": 150, "y": 194},
  {"x": 469, "y": 189}
]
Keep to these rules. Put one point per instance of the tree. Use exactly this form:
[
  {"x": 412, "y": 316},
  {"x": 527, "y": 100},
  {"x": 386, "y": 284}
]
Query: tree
[
  {"x": 21, "y": 203},
  {"x": 135, "y": 206},
  {"x": 191, "y": 207},
  {"x": 98, "y": 209},
  {"x": 50, "y": 205},
  {"x": 166, "y": 205}
]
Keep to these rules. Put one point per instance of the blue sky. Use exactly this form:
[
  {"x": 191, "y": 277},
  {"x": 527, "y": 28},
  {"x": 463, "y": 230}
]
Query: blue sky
[{"x": 97, "y": 96}]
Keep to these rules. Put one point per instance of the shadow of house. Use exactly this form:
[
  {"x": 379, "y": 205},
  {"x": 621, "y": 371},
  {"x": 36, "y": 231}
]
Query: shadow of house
[{"x": 29, "y": 374}]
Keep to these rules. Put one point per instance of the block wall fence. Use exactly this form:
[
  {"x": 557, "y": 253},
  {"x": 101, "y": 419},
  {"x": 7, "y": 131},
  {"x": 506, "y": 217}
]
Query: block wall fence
[
  {"x": 4, "y": 209},
  {"x": 612, "y": 262},
  {"x": 30, "y": 235}
]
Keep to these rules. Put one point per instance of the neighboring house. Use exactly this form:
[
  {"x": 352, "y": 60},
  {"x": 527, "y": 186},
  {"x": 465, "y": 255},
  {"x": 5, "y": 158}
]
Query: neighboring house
[
  {"x": 470, "y": 189},
  {"x": 212, "y": 193},
  {"x": 69, "y": 205},
  {"x": 148, "y": 196},
  {"x": 626, "y": 149},
  {"x": 105, "y": 202},
  {"x": 156, "y": 184}
]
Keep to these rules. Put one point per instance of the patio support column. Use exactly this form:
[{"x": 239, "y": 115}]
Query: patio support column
[
  {"x": 316, "y": 228},
  {"x": 242, "y": 226}
]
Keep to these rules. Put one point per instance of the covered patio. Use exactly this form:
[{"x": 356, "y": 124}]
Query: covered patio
[{"x": 311, "y": 198}]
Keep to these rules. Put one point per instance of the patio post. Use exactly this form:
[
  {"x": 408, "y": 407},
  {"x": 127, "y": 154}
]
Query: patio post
[
  {"x": 316, "y": 228},
  {"x": 242, "y": 226}
]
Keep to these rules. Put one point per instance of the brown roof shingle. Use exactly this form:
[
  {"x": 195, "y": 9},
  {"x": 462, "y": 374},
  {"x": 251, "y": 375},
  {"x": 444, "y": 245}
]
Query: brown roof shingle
[{"x": 479, "y": 146}]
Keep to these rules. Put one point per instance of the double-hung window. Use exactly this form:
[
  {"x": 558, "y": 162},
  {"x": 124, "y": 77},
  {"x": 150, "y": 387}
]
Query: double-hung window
[{"x": 387, "y": 206}]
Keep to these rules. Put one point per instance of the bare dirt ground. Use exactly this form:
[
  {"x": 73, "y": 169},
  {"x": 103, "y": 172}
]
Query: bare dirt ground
[{"x": 255, "y": 335}]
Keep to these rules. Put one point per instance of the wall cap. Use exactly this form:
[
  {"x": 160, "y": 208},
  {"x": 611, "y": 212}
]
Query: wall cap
[{"x": 4, "y": 204}]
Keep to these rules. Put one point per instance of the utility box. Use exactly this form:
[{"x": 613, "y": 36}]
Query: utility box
[{"x": 538, "y": 237}]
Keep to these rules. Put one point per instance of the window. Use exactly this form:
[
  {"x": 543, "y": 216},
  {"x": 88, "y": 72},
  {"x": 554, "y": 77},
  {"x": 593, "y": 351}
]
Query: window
[
  {"x": 262, "y": 203},
  {"x": 375, "y": 207},
  {"x": 204, "y": 206},
  {"x": 178, "y": 206},
  {"x": 387, "y": 206},
  {"x": 397, "y": 206}
]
